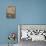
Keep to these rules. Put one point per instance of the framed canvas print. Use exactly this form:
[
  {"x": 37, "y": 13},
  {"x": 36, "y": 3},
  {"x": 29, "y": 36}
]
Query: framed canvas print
[
  {"x": 32, "y": 32},
  {"x": 11, "y": 11}
]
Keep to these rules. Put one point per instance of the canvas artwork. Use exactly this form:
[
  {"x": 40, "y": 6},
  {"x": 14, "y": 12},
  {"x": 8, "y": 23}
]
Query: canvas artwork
[
  {"x": 33, "y": 32},
  {"x": 11, "y": 11}
]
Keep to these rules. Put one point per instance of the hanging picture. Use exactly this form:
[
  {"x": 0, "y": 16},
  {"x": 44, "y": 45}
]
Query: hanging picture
[
  {"x": 11, "y": 11},
  {"x": 32, "y": 32}
]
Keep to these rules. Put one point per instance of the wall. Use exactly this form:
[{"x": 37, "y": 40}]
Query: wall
[
  {"x": 27, "y": 12},
  {"x": 6, "y": 25},
  {"x": 31, "y": 11}
]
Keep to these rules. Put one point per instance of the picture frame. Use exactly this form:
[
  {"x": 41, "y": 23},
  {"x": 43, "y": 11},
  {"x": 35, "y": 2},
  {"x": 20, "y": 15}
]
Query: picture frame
[{"x": 11, "y": 11}]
